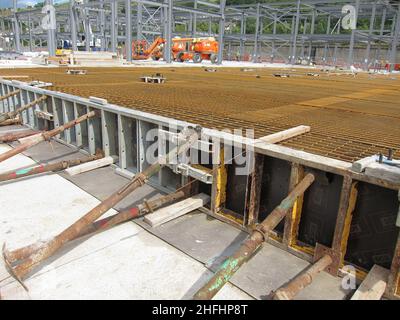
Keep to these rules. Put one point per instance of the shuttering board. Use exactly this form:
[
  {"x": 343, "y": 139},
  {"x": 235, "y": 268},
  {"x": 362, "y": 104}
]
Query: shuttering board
[
  {"x": 373, "y": 232},
  {"x": 320, "y": 208},
  {"x": 274, "y": 186}
]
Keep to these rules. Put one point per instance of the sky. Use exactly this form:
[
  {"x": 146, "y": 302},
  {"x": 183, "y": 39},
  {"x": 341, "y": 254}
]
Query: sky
[{"x": 23, "y": 3}]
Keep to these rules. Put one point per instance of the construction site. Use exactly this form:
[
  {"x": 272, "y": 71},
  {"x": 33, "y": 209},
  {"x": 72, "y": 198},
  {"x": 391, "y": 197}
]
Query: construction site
[{"x": 180, "y": 150}]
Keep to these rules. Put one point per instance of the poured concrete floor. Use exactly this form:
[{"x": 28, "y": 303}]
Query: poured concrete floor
[{"x": 131, "y": 261}]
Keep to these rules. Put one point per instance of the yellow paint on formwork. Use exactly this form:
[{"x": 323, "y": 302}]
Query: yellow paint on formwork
[
  {"x": 306, "y": 249},
  {"x": 347, "y": 222},
  {"x": 397, "y": 290},
  {"x": 221, "y": 181},
  {"x": 231, "y": 217},
  {"x": 296, "y": 214}
]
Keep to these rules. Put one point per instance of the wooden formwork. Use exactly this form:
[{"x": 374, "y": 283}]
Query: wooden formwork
[{"x": 335, "y": 212}]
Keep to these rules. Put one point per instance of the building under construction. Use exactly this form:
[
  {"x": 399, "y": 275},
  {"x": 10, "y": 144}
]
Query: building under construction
[{"x": 267, "y": 167}]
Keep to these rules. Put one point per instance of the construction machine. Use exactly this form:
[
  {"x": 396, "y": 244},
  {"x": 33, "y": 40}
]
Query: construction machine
[
  {"x": 154, "y": 51},
  {"x": 196, "y": 49},
  {"x": 183, "y": 49}
]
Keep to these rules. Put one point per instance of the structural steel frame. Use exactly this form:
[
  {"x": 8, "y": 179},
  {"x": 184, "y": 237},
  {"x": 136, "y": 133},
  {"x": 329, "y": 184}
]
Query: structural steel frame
[{"x": 283, "y": 32}]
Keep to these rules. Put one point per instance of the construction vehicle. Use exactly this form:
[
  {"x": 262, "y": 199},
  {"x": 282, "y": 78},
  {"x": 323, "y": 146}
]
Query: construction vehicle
[
  {"x": 196, "y": 49},
  {"x": 183, "y": 49},
  {"x": 154, "y": 51}
]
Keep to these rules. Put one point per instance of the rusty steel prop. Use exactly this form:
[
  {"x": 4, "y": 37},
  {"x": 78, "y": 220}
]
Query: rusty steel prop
[
  {"x": 8, "y": 95},
  {"x": 45, "y": 136},
  {"x": 189, "y": 136},
  {"x": 100, "y": 225},
  {"x": 11, "y": 122},
  {"x": 259, "y": 234},
  {"x": 289, "y": 291},
  {"x": 24, "y": 172},
  {"x": 13, "y": 114},
  {"x": 10, "y": 137}
]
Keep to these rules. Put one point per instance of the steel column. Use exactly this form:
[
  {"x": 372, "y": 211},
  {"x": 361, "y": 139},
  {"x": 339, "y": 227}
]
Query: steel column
[
  {"x": 17, "y": 34},
  {"x": 128, "y": 30},
  {"x": 350, "y": 59}
]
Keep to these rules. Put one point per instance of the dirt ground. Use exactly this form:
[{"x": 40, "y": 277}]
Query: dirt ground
[{"x": 350, "y": 117}]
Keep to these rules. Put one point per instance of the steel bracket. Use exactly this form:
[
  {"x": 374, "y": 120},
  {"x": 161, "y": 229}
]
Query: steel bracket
[
  {"x": 188, "y": 171},
  {"x": 320, "y": 251}
]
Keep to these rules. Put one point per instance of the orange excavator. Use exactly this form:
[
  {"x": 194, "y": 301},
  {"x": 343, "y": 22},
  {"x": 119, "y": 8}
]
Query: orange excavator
[{"x": 183, "y": 49}]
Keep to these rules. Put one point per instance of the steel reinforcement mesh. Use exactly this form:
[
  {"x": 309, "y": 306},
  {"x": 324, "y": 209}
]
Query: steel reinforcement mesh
[{"x": 350, "y": 117}]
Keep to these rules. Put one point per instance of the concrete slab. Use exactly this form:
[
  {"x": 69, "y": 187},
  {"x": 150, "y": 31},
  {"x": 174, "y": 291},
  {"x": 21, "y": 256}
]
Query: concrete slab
[
  {"x": 202, "y": 237},
  {"x": 100, "y": 183},
  {"x": 272, "y": 267},
  {"x": 125, "y": 262}
]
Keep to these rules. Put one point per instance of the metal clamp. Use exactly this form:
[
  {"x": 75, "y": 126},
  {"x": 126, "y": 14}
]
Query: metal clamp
[{"x": 258, "y": 227}]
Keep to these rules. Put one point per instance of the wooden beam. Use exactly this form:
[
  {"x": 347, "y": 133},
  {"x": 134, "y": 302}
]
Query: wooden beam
[
  {"x": 292, "y": 220},
  {"x": 255, "y": 189},
  {"x": 285, "y": 134},
  {"x": 374, "y": 285},
  {"x": 176, "y": 210},
  {"x": 347, "y": 204},
  {"x": 92, "y": 165}
]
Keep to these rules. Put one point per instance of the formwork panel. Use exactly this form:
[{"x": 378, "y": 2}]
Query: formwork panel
[
  {"x": 236, "y": 191},
  {"x": 94, "y": 132},
  {"x": 320, "y": 208},
  {"x": 373, "y": 232},
  {"x": 58, "y": 115},
  {"x": 274, "y": 187},
  {"x": 82, "y": 133},
  {"x": 128, "y": 130},
  {"x": 69, "y": 115},
  {"x": 110, "y": 138}
]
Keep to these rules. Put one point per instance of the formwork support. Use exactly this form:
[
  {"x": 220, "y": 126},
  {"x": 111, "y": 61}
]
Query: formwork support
[
  {"x": 255, "y": 189},
  {"x": 100, "y": 225},
  {"x": 290, "y": 290},
  {"x": 58, "y": 166},
  {"x": 292, "y": 220},
  {"x": 347, "y": 205},
  {"x": 34, "y": 140},
  {"x": 247, "y": 249},
  {"x": 53, "y": 245},
  {"x": 12, "y": 114}
]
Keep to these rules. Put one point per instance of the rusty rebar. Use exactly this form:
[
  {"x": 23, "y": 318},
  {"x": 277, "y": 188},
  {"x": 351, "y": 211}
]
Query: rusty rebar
[
  {"x": 24, "y": 172},
  {"x": 13, "y": 114},
  {"x": 10, "y": 137},
  {"x": 73, "y": 231},
  {"x": 304, "y": 279},
  {"x": 249, "y": 246},
  {"x": 101, "y": 225},
  {"x": 44, "y": 136}
]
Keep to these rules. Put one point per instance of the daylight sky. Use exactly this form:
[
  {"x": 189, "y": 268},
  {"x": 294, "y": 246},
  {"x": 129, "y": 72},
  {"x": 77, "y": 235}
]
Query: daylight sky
[{"x": 23, "y": 3}]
